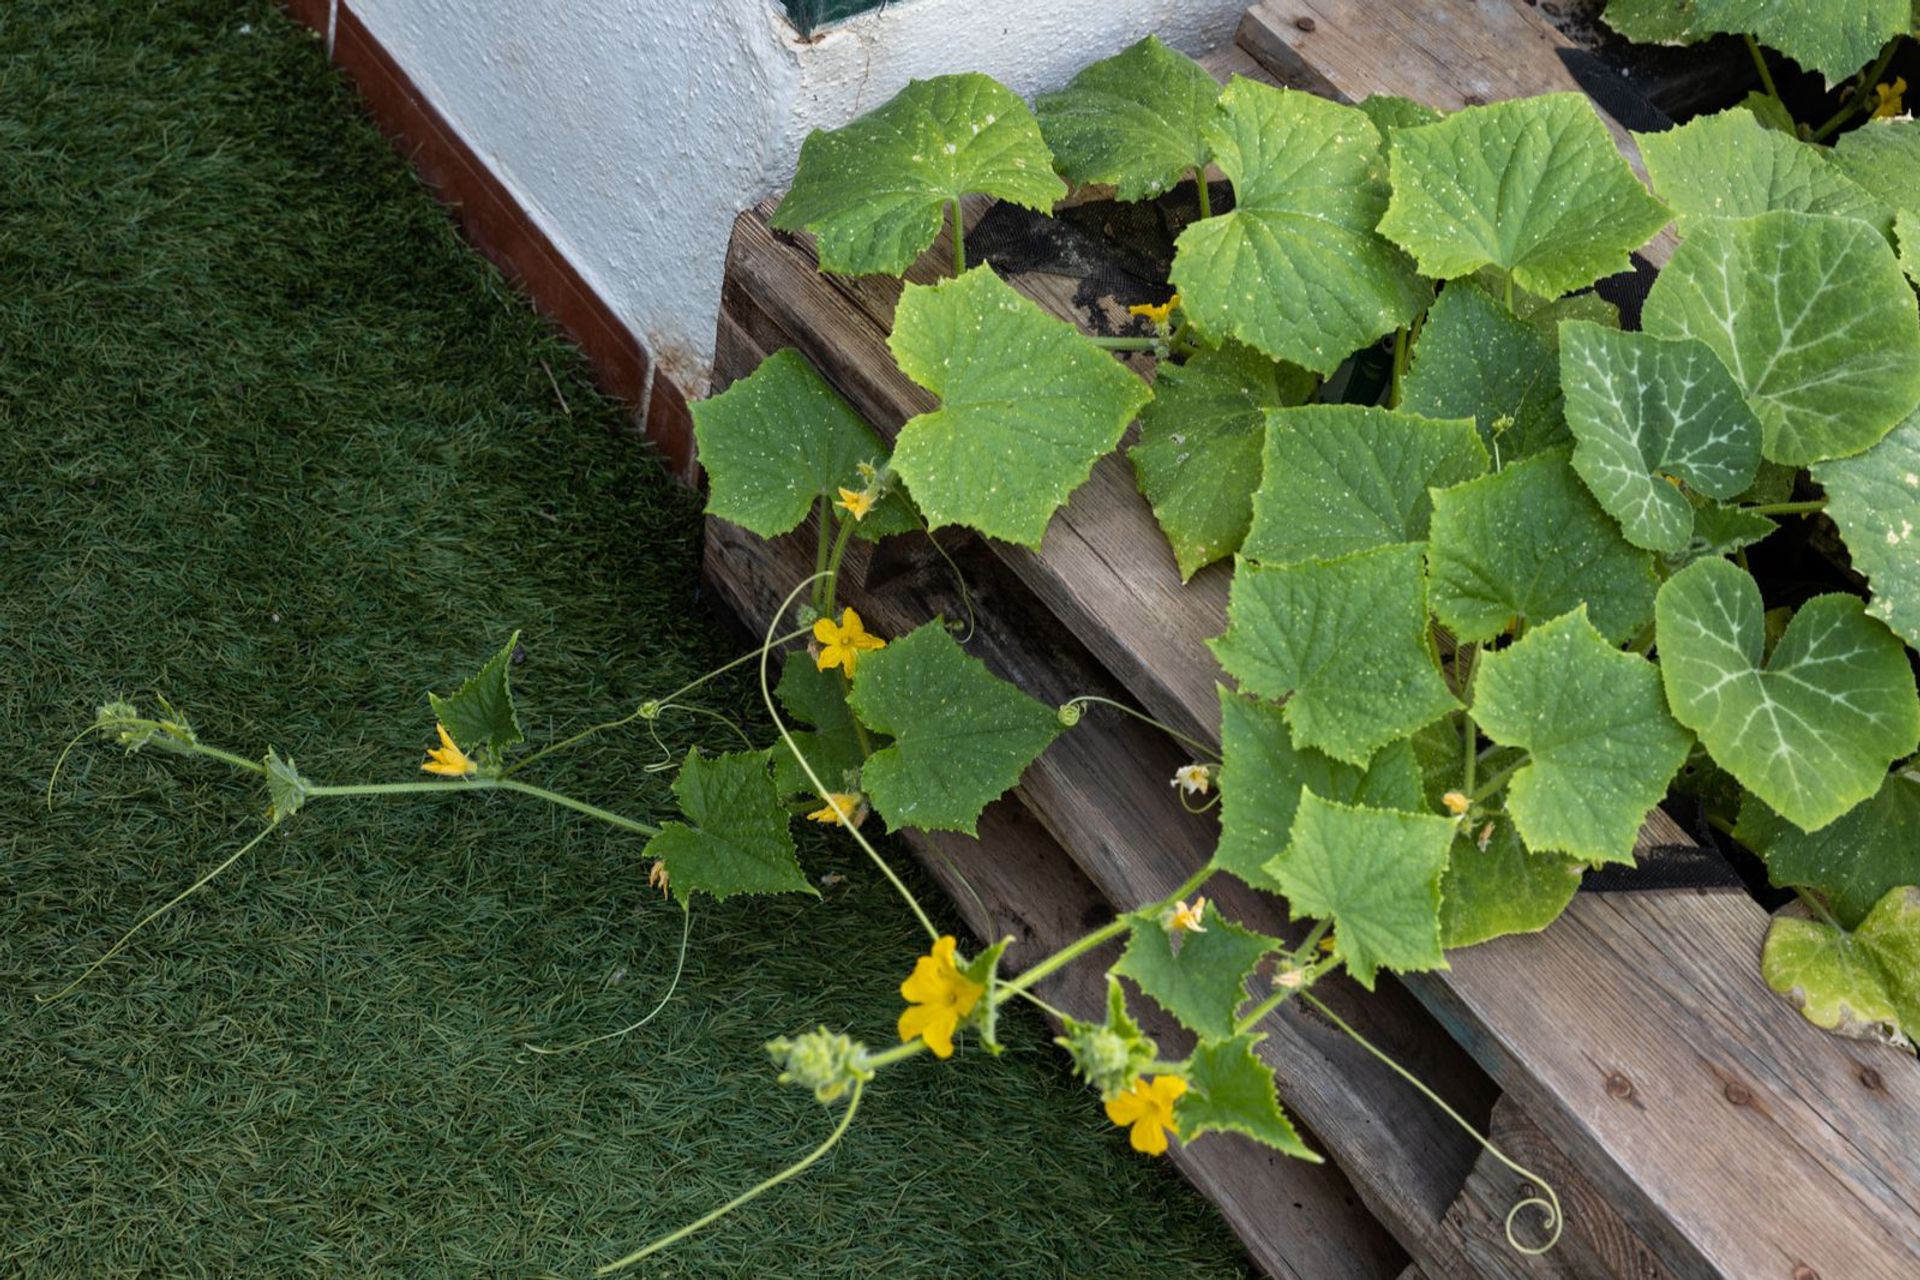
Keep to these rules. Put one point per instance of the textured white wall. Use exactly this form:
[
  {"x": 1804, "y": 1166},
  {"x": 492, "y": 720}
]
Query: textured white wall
[{"x": 633, "y": 131}]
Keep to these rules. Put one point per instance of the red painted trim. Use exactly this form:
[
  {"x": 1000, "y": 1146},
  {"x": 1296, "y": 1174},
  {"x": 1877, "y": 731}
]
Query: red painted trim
[{"x": 500, "y": 228}]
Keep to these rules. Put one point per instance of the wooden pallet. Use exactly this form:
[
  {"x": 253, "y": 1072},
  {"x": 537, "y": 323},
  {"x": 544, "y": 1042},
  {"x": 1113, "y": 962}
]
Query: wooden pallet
[{"x": 1694, "y": 1124}]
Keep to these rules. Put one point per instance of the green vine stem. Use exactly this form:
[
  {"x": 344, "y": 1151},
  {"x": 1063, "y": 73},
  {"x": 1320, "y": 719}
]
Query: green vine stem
[
  {"x": 156, "y": 913},
  {"x": 823, "y": 582},
  {"x": 607, "y": 816},
  {"x": 1087, "y": 942},
  {"x": 1555, "y": 1222},
  {"x": 1766, "y": 73},
  {"x": 679, "y": 967},
  {"x": 1859, "y": 98},
  {"x": 959, "y": 239},
  {"x": 1200, "y": 185},
  {"x": 1127, "y": 344},
  {"x": 806, "y": 766},
  {"x": 1095, "y": 700},
  {"x": 708, "y": 1219},
  {"x": 1808, "y": 507}
]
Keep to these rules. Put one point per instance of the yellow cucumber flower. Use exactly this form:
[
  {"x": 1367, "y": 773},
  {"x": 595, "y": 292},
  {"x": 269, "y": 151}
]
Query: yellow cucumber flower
[
  {"x": 1147, "y": 1106},
  {"x": 448, "y": 760},
  {"x": 856, "y": 502},
  {"x": 841, "y": 645},
  {"x": 1181, "y": 918},
  {"x": 938, "y": 996},
  {"x": 844, "y": 808},
  {"x": 1157, "y": 312},
  {"x": 1889, "y": 95},
  {"x": 1194, "y": 779},
  {"x": 1457, "y": 802}
]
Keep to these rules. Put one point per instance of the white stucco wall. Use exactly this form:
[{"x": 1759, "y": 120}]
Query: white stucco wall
[{"x": 633, "y": 131}]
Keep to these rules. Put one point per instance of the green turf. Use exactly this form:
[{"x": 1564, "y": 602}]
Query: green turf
[{"x": 274, "y": 443}]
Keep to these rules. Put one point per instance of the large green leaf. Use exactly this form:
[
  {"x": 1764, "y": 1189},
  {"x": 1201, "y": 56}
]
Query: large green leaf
[
  {"x": 962, "y": 736},
  {"x": 1891, "y": 932},
  {"x": 1376, "y": 874},
  {"x": 1198, "y": 460},
  {"x": 1204, "y": 980},
  {"x": 1875, "y": 500},
  {"x": 1833, "y": 37},
  {"x": 1027, "y": 405},
  {"x": 1475, "y": 359},
  {"x": 1262, "y": 773},
  {"x": 1229, "y": 1090},
  {"x": 1534, "y": 186},
  {"x": 818, "y": 698},
  {"x": 1136, "y": 120},
  {"x": 479, "y": 715},
  {"x": 1494, "y": 886},
  {"x": 1836, "y": 983},
  {"x": 777, "y": 440},
  {"x": 1883, "y": 157},
  {"x": 874, "y": 192},
  {"x": 1530, "y": 543},
  {"x": 1643, "y": 409},
  {"x": 1339, "y": 478},
  {"x": 1600, "y": 745},
  {"x": 1906, "y": 232},
  {"x": 736, "y": 838},
  {"x": 1296, "y": 269},
  {"x": 1810, "y": 314},
  {"x": 1810, "y": 730},
  {"x": 1344, "y": 641},
  {"x": 1853, "y": 861},
  {"x": 1730, "y": 165}
]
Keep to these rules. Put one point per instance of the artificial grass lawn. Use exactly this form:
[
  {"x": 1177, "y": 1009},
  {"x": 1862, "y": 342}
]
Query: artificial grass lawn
[{"x": 274, "y": 443}]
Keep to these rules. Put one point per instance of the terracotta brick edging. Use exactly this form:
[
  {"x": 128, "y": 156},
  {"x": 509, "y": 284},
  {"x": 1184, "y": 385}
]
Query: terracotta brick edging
[{"x": 500, "y": 228}]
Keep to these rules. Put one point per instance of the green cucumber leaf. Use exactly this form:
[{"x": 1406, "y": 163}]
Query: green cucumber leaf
[
  {"x": 1229, "y": 1090},
  {"x": 736, "y": 838},
  {"x": 1475, "y": 359},
  {"x": 962, "y": 736},
  {"x": 1389, "y": 111},
  {"x": 1202, "y": 982},
  {"x": 479, "y": 715},
  {"x": 1136, "y": 120},
  {"x": 1530, "y": 543},
  {"x": 1891, "y": 933},
  {"x": 1375, "y": 873},
  {"x": 1296, "y": 269},
  {"x": 286, "y": 789},
  {"x": 1601, "y": 748},
  {"x": 1644, "y": 408},
  {"x": 1721, "y": 531},
  {"x": 1853, "y": 861},
  {"x": 1810, "y": 730},
  {"x": 1835, "y": 39},
  {"x": 1500, "y": 888},
  {"x": 1347, "y": 639},
  {"x": 776, "y": 441},
  {"x": 818, "y": 698},
  {"x": 1198, "y": 460},
  {"x": 1534, "y": 186},
  {"x": 1810, "y": 314},
  {"x": 1835, "y": 982},
  {"x": 1883, "y": 157},
  {"x": 1874, "y": 499},
  {"x": 1262, "y": 774},
  {"x": 1906, "y": 231},
  {"x": 1027, "y": 406},
  {"x": 1730, "y": 165},
  {"x": 875, "y": 192},
  {"x": 1339, "y": 478}
]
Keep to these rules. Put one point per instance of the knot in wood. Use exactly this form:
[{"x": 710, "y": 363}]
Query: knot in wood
[
  {"x": 1738, "y": 1094},
  {"x": 1870, "y": 1079},
  {"x": 1305, "y": 24},
  {"x": 1619, "y": 1086},
  {"x": 1805, "y": 1272},
  {"x": 1474, "y": 100}
]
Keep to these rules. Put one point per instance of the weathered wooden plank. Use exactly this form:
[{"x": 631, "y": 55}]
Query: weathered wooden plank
[
  {"x": 1596, "y": 1244},
  {"x": 1446, "y": 53},
  {"x": 1752, "y": 1144}
]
